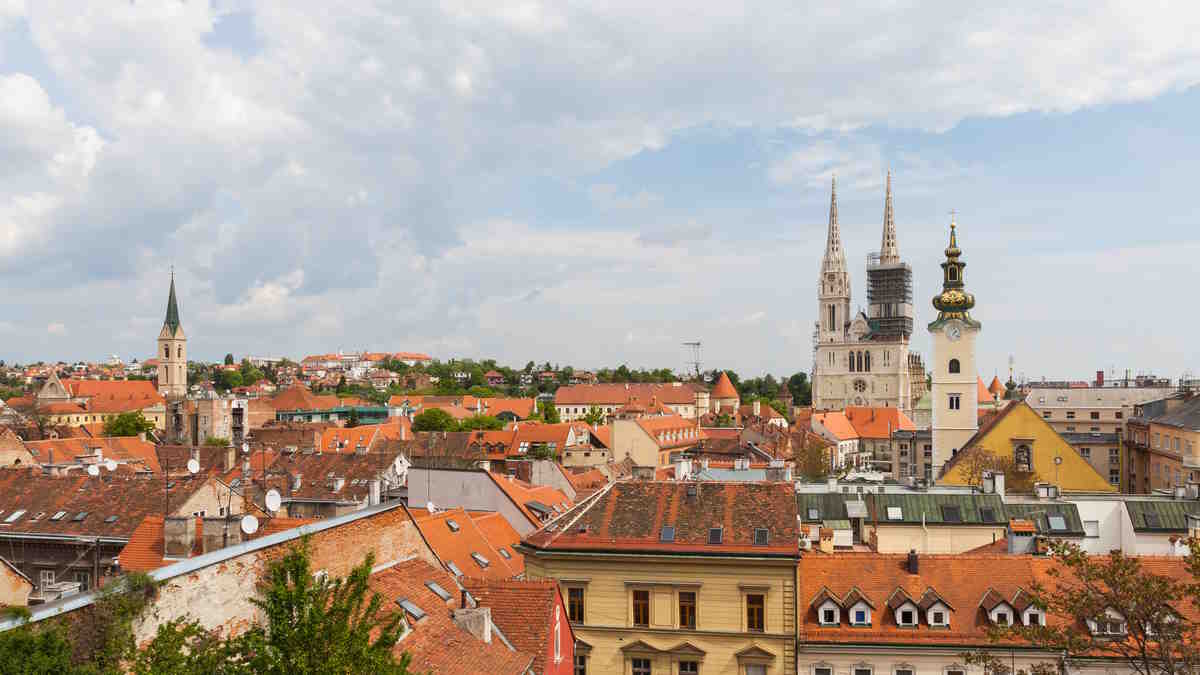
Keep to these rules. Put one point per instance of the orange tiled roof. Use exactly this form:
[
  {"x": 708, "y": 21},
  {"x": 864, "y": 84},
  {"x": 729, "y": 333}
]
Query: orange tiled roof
[
  {"x": 622, "y": 393},
  {"x": 878, "y": 422},
  {"x": 144, "y": 552},
  {"x": 996, "y": 387},
  {"x": 723, "y": 388},
  {"x": 671, "y": 430},
  {"x": 123, "y": 449},
  {"x": 837, "y": 424},
  {"x": 454, "y": 538},
  {"x": 522, "y": 493},
  {"x": 522, "y": 408},
  {"x": 501, "y": 535},
  {"x": 115, "y": 396},
  {"x": 524, "y": 611},
  {"x": 982, "y": 390}
]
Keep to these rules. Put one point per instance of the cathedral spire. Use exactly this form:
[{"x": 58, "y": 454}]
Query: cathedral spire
[
  {"x": 172, "y": 320},
  {"x": 834, "y": 256},
  {"x": 889, "y": 250}
]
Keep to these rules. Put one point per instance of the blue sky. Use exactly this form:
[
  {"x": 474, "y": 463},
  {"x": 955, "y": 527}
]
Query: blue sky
[{"x": 592, "y": 184}]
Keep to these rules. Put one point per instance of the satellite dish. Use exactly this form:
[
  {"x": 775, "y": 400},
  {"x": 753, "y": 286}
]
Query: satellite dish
[
  {"x": 93, "y": 470},
  {"x": 110, "y": 465},
  {"x": 430, "y": 507},
  {"x": 245, "y": 447},
  {"x": 193, "y": 466},
  {"x": 272, "y": 500},
  {"x": 1058, "y": 460},
  {"x": 249, "y": 524}
]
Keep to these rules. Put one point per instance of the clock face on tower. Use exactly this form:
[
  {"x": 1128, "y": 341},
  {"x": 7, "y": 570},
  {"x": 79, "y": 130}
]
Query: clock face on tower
[{"x": 954, "y": 332}]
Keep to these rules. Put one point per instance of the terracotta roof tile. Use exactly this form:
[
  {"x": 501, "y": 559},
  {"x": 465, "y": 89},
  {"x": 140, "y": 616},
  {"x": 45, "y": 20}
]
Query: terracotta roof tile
[
  {"x": 144, "y": 552},
  {"x": 123, "y": 449},
  {"x": 723, "y": 388},
  {"x": 501, "y": 535},
  {"x": 523, "y": 495},
  {"x": 435, "y": 643},
  {"x": 837, "y": 424},
  {"x": 524, "y": 611},
  {"x": 455, "y": 538},
  {"x": 617, "y": 394},
  {"x": 878, "y": 422}
]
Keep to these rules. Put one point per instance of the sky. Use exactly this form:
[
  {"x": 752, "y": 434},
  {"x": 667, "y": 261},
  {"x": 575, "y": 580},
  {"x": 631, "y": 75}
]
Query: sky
[{"x": 594, "y": 183}]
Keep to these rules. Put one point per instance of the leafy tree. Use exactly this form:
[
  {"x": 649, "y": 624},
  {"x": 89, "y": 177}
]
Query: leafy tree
[
  {"x": 481, "y": 422},
  {"x": 594, "y": 416},
  {"x": 542, "y": 451},
  {"x": 35, "y": 650},
  {"x": 480, "y": 391},
  {"x": 229, "y": 359},
  {"x": 434, "y": 419},
  {"x": 812, "y": 459},
  {"x": 352, "y": 419},
  {"x": 1157, "y": 639},
  {"x": 183, "y": 647},
  {"x": 548, "y": 413},
  {"x": 227, "y": 379},
  {"x": 128, "y": 424},
  {"x": 800, "y": 388},
  {"x": 9, "y": 392},
  {"x": 978, "y": 460},
  {"x": 217, "y": 442},
  {"x": 723, "y": 420}
]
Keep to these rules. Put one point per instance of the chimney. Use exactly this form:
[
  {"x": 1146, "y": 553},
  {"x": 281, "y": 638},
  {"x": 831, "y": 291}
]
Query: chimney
[
  {"x": 988, "y": 483},
  {"x": 219, "y": 533},
  {"x": 245, "y": 469},
  {"x": 913, "y": 565},
  {"x": 230, "y": 459},
  {"x": 195, "y": 454},
  {"x": 179, "y": 536},
  {"x": 375, "y": 488},
  {"x": 757, "y": 408},
  {"x": 998, "y": 480},
  {"x": 338, "y": 483},
  {"x": 477, "y": 621},
  {"x": 296, "y": 481}
]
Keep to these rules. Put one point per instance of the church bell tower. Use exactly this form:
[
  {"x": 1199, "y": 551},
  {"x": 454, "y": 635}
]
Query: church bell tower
[{"x": 172, "y": 352}]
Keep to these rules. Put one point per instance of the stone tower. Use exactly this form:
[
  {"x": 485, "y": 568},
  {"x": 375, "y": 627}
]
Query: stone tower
[
  {"x": 954, "y": 395},
  {"x": 172, "y": 352},
  {"x": 833, "y": 295}
]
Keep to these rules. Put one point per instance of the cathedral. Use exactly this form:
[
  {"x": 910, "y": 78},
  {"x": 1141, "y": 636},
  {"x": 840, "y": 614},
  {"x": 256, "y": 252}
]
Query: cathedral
[{"x": 862, "y": 359}]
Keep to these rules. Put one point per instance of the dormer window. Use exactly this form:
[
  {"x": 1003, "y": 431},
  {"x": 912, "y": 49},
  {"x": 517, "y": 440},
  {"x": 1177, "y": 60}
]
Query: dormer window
[
  {"x": 907, "y": 617},
  {"x": 829, "y": 617},
  {"x": 1033, "y": 618},
  {"x": 938, "y": 618},
  {"x": 860, "y": 615},
  {"x": 1001, "y": 618}
]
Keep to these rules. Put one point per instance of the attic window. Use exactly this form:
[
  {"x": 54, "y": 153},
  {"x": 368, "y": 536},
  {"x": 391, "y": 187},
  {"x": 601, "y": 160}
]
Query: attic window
[
  {"x": 504, "y": 553},
  {"x": 12, "y": 517},
  {"x": 1057, "y": 523},
  {"x": 452, "y": 525},
  {"x": 480, "y": 560},
  {"x": 895, "y": 513},
  {"x": 58, "y": 515},
  {"x": 437, "y": 590},
  {"x": 407, "y": 605},
  {"x": 39, "y": 515},
  {"x": 668, "y": 534},
  {"x": 1152, "y": 520},
  {"x": 987, "y": 515},
  {"x": 814, "y": 513},
  {"x": 79, "y": 517},
  {"x": 110, "y": 519},
  {"x": 951, "y": 514},
  {"x": 715, "y": 535},
  {"x": 761, "y": 536}
]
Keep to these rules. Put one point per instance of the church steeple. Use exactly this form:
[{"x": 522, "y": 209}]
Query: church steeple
[
  {"x": 172, "y": 320},
  {"x": 889, "y": 250},
  {"x": 835, "y": 257},
  {"x": 833, "y": 284},
  {"x": 954, "y": 302}
]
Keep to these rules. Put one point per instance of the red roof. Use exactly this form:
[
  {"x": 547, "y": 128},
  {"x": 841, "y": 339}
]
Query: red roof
[
  {"x": 837, "y": 424},
  {"x": 671, "y": 431},
  {"x": 630, "y": 515},
  {"x": 878, "y": 422},
  {"x": 144, "y": 552},
  {"x": 983, "y": 393},
  {"x": 123, "y": 449},
  {"x": 621, "y": 393},
  {"x": 723, "y": 388},
  {"x": 435, "y": 643},
  {"x": 525, "y": 613},
  {"x": 501, "y": 535},
  {"x": 114, "y": 396},
  {"x": 454, "y": 537},
  {"x": 522, "y": 493},
  {"x": 996, "y": 387}
]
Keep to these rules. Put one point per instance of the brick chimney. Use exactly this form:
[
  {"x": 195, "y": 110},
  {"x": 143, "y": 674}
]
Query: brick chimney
[
  {"x": 230, "y": 459},
  {"x": 179, "y": 536}
]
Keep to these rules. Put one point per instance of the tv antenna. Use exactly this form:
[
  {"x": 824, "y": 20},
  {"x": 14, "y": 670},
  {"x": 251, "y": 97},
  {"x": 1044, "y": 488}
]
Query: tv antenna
[{"x": 694, "y": 352}]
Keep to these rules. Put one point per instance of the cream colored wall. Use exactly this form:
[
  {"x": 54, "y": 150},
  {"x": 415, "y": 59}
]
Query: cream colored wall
[
  {"x": 934, "y": 538},
  {"x": 953, "y": 428},
  {"x": 629, "y": 439},
  {"x": 210, "y": 499},
  {"x": 14, "y": 588},
  {"x": 720, "y": 586},
  {"x": 584, "y": 456},
  {"x": 927, "y": 661}
]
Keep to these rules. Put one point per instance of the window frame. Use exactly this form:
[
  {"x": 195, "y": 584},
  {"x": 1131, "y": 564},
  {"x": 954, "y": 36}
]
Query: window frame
[
  {"x": 633, "y": 611},
  {"x": 582, "y": 604},
  {"x": 762, "y": 607},
  {"x": 695, "y": 605}
]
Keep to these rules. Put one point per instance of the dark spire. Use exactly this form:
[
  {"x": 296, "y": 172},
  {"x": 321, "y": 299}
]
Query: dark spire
[{"x": 172, "y": 320}]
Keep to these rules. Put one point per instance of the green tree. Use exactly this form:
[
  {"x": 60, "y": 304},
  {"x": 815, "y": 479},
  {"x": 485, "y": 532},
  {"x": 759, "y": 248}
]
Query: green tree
[
  {"x": 594, "y": 416},
  {"x": 800, "y": 388},
  {"x": 35, "y": 650},
  {"x": 812, "y": 459},
  {"x": 352, "y": 419},
  {"x": 1156, "y": 637},
  {"x": 128, "y": 424},
  {"x": 548, "y": 413},
  {"x": 723, "y": 420},
  {"x": 434, "y": 419},
  {"x": 322, "y": 625},
  {"x": 481, "y": 422},
  {"x": 217, "y": 442},
  {"x": 229, "y": 359}
]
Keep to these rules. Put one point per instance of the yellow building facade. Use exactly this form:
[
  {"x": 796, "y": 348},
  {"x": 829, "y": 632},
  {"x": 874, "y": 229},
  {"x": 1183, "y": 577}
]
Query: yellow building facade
[{"x": 1019, "y": 433}]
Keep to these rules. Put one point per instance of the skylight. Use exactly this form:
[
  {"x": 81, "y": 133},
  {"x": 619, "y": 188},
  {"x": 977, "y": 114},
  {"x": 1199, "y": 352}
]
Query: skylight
[
  {"x": 504, "y": 553},
  {"x": 895, "y": 513},
  {"x": 437, "y": 590},
  {"x": 79, "y": 517},
  {"x": 12, "y": 517},
  {"x": 814, "y": 513},
  {"x": 415, "y": 612},
  {"x": 951, "y": 514},
  {"x": 1152, "y": 520},
  {"x": 59, "y": 515},
  {"x": 987, "y": 515},
  {"x": 761, "y": 536},
  {"x": 110, "y": 519},
  {"x": 668, "y": 534},
  {"x": 715, "y": 535},
  {"x": 454, "y": 569},
  {"x": 452, "y": 524},
  {"x": 480, "y": 560},
  {"x": 1057, "y": 523}
]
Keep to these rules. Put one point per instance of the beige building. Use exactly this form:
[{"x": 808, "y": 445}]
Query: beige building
[
  {"x": 863, "y": 360},
  {"x": 649, "y": 441},
  {"x": 666, "y": 577},
  {"x": 954, "y": 395},
  {"x": 1091, "y": 410}
]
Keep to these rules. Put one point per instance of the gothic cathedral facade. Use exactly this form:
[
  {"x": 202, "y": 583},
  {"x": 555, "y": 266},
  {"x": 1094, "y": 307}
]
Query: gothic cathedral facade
[
  {"x": 954, "y": 394},
  {"x": 172, "y": 352},
  {"x": 862, "y": 359}
]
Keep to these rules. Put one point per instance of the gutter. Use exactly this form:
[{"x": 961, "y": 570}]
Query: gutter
[
  {"x": 65, "y": 538},
  {"x": 53, "y": 609}
]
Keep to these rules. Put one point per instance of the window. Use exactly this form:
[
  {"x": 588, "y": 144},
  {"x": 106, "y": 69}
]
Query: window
[
  {"x": 761, "y": 536},
  {"x": 987, "y": 515},
  {"x": 937, "y": 618},
  {"x": 689, "y": 668},
  {"x": 1119, "y": 415},
  {"x": 954, "y": 671},
  {"x": 1114, "y": 476},
  {"x": 862, "y": 670},
  {"x": 1002, "y": 618},
  {"x": 687, "y": 609},
  {"x": 668, "y": 534},
  {"x": 904, "y": 671},
  {"x": 828, "y": 616},
  {"x": 641, "y": 608},
  {"x": 1046, "y": 415},
  {"x": 641, "y": 666},
  {"x": 45, "y": 577},
  {"x": 814, "y": 513},
  {"x": 1114, "y": 456},
  {"x": 575, "y": 604},
  {"x": 955, "y": 401},
  {"x": 580, "y": 664},
  {"x": 756, "y": 669},
  {"x": 756, "y": 613},
  {"x": 1033, "y": 618},
  {"x": 908, "y": 618},
  {"x": 1023, "y": 458},
  {"x": 954, "y": 367},
  {"x": 861, "y": 618},
  {"x": 1085, "y": 453},
  {"x": 1070, "y": 414},
  {"x": 1091, "y": 528},
  {"x": 951, "y": 514},
  {"x": 84, "y": 579},
  {"x": 822, "y": 670},
  {"x": 1057, "y": 523},
  {"x": 715, "y": 535}
]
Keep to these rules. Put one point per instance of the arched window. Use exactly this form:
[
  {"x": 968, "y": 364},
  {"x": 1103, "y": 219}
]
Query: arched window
[
  {"x": 166, "y": 351},
  {"x": 954, "y": 367},
  {"x": 867, "y": 360},
  {"x": 860, "y": 362},
  {"x": 851, "y": 355},
  {"x": 179, "y": 351},
  {"x": 952, "y": 273}
]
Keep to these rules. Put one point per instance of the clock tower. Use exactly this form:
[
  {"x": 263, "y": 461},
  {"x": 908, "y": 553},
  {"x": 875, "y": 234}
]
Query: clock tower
[{"x": 955, "y": 388}]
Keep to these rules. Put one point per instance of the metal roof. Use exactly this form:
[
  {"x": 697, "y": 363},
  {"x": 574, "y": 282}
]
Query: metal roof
[
  {"x": 1039, "y": 514},
  {"x": 1170, "y": 515}
]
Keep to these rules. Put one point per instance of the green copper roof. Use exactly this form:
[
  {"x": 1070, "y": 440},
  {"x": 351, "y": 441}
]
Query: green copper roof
[{"x": 172, "y": 320}]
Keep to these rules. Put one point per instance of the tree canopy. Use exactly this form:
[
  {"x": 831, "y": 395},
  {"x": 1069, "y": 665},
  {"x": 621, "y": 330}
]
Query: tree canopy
[{"x": 128, "y": 424}]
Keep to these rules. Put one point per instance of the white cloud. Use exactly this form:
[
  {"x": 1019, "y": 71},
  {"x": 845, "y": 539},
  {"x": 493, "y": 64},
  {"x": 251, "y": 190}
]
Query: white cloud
[{"x": 56, "y": 328}]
